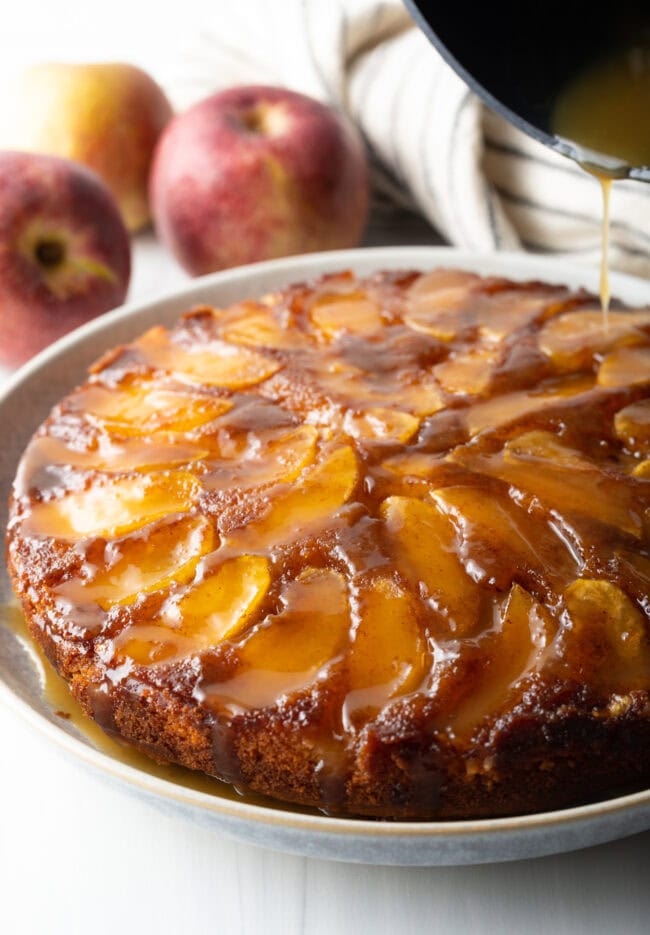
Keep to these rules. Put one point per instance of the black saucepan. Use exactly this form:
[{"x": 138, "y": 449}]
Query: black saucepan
[{"x": 518, "y": 56}]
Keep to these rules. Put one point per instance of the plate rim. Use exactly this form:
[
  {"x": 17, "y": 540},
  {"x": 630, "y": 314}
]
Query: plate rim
[{"x": 506, "y": 263}]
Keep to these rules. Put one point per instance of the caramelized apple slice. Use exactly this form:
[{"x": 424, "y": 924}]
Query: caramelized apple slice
[
  {"x": 255, "y": 325},
  {"x": 115, "y": 507},
  {"x": 281, "y": 460},
  {"x": 541, "y": 445},
  {"x": 625, "y": 367},
  {"x": 632, "y": 426},
  {"x": 633, "y": 573},
  {"x": 412, "y": 464},
  {"x": 139, "y": 564},
  {"x": 148, "y": 644},
  {"x": 381, "y": 425},
  {"x": 387, "y": 656},
  {"x": 502, "y": 410},
  {"x": 310, "y": 630},
  {"x": 424, "y": 543},
  {"x": 453, "y": 307},
  {"x": 608, "y": 635},
  {"x": 143, "y": 408},
  {"x": 468, "y": 373},
  {"x": 213, "y": 364},
  {"x": 317, "y": 494},
  {"x": 572, "y": 340},
  {"x": 500, "y": 540},
  {"x": 353, "y": 388},
  {"x": 111, "y": 457},
  {"x": 443, "y": 324},
  {"x": 422, "y": 398},
  {"x": 219, "y": 607},
  {"x": 346, "y": 314},
  {"x": 287, "y": 651},
  {"x": 498, "y": 315},
  {"x": 562, "y": 479},
  {"x": 432, "y": 288},
  {"x": 439, "y": 303},
  {"x": 518, "y": 647}
]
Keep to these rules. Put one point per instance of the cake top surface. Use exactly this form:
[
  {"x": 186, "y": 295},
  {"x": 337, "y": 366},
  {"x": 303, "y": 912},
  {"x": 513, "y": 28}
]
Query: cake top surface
[{"x": 414, "y": 486}]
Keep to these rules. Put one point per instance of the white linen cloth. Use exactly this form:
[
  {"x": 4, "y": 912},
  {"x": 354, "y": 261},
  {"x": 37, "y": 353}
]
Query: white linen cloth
[{"x": 481, "y": 183}]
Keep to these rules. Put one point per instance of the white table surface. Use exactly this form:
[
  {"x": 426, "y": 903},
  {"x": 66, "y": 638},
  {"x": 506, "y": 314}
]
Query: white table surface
[{"x": 77, "y": 856}]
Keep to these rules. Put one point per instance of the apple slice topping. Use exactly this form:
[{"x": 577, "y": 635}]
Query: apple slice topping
[
  {"x": 113, "y": 457},
  {"x": 541, "y": 445},
  {"x": 517, "y": 647},
  {"x": 500, "y": 540},
  {"x": 562, "y": 479},
  {"x": 337, "y": 382},
  {"x": 608, "y": 636},
  {"x": 502, "y": 410},
  {"x": 505, "y": 311},
  {"x": 276, "y": 460},
  {"x": 431, "y": 288},
  {"x": 467, "y": 374},
  {"x": 286, "y": 652},
  {"x": 141, "y": 563},
  {"x": 572, "y": 340},
  {"x": 451, "y": 309},
  {"x": 422, "y": 398},
  {"x": 315, "y": 496},
  {"x": 255, "y": 325},
  {"x": 423, "y": 538},
  {"x": 336, "y": 315},
  {"x": 412, "y": 464},
  {"x": 148, "y": 643},
  {"x": 626, "y": 366},
  {"x": 213, "y": 364},
  {"x": 218, "y": 608},
  {"x": 114, "y": 507},
  {"x": 437, "y": 300},
  {"x": 381, "y": 425},
  {"x": 632, "y": 426},
  {"x": 387, "y": 657},
  {"x": 142, "y": 408}
]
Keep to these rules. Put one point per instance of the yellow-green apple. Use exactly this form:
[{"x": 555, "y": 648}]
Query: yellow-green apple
[
  {"x": 107, "y": 116},
  {"x": 64, "y": 251},
  {"x": 252, "y": 173}
]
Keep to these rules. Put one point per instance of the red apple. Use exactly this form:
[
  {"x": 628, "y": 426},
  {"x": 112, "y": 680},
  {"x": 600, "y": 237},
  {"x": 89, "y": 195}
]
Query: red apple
[
  {"x": 106, "y": 115},
  {"x": 64, "y": 251},
  {"x": 256, "y": 172}
]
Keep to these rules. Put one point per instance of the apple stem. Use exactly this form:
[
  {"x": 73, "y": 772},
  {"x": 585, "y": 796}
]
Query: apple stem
[{"x": 49, "y": 253}]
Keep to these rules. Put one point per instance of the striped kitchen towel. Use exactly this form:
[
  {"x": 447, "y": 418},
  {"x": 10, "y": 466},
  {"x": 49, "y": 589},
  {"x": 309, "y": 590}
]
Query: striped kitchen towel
[{"x": 481, "y": 183}]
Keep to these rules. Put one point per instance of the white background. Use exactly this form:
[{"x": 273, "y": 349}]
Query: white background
[
  {"x": 79, "y": 857},
  {"x": 151, "y": 33}
]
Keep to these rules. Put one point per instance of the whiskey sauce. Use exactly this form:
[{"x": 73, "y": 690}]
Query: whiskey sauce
[{"x": 604, "y": 112}]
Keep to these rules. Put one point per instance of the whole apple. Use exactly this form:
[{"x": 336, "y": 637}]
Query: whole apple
[
  {"x": 253, "y": 173},
  {"x": 64, "y": 251},
  {"x": 107, "y": 116}
]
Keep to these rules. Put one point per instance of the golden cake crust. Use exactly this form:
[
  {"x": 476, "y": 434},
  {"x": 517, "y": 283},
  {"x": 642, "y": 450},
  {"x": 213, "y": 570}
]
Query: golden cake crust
[{"x": 377, "y": 546}]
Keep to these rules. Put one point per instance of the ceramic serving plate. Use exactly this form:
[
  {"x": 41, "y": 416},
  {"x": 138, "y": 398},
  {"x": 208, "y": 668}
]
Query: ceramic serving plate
[{"x": 27, "y": 400}]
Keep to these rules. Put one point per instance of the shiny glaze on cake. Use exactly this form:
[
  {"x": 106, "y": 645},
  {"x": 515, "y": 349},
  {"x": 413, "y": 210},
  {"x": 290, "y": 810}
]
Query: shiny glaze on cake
[{"x": 379, "y": 546}]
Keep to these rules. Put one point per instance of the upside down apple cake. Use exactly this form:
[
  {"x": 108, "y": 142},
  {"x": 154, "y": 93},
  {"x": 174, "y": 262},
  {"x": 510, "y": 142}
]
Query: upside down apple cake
[{"x": 379, "y": 546}]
